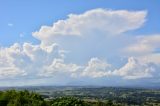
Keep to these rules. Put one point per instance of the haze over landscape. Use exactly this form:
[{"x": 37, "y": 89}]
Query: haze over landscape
[{"x": 77, "y": 42}]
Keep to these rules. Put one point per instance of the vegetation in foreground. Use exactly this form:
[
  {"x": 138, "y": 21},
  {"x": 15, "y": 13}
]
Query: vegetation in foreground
[{"x": 25, "y": 98}]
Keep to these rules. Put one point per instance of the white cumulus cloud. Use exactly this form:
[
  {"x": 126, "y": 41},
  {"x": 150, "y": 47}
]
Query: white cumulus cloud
[
  {"x": 96, "y": 68},
  {"x": 26, "y": 59},
  {"x": 145, "y": 45},
  {"x": 58, "y": 66},
  {"x": 134, "y": 69}
]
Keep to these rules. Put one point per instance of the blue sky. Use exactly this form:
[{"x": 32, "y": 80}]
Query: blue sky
[
  {"x": 28, "y": 16},
  {"x": 103, "y": 41}
]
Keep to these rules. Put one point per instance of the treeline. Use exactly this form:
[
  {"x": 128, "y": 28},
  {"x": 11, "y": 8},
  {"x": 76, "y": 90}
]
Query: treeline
[
  {"x": 21, "y": 98},
  {"x": 26, "y": 98}
]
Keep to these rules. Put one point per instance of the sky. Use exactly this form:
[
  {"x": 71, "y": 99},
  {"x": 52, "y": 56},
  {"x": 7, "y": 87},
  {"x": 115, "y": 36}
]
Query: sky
[{"x": 80, "y": 42}]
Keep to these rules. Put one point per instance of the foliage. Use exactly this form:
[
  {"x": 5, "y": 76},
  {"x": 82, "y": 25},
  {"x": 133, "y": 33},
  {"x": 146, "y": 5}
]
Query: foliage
[
  {"x": 68, "y": 101},
  {"x": 20, "y": 98}
]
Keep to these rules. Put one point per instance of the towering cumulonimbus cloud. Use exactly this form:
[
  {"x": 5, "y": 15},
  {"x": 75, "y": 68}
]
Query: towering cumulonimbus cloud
[
  {"x": 102, "y": 20},
  {"x": 96, "y": 38}
]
